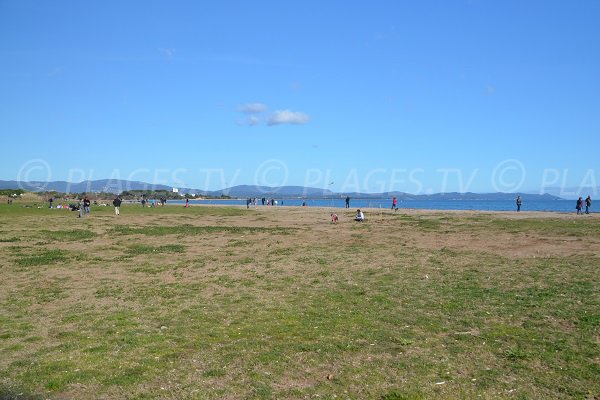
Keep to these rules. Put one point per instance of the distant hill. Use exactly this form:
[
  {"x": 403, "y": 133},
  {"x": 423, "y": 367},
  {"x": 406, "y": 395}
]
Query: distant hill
[
  {"x": 101, "y": 185},
  {"x": 267, "y": 191},
  {"x": 119, "y": 185}
]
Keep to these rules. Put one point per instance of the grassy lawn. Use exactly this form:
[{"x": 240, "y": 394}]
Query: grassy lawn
[{"x": 274, "y": 302}]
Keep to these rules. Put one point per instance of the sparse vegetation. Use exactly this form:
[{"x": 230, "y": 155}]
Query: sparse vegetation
[{"x": 224, "y": 302}]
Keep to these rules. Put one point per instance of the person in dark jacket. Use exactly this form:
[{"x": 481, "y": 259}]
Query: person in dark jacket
[
  {"x": 579, "y": 206},
  {"x": 117, "y": 204},
  {"x": 588, "y": 204},
  {"x": 86, "y": 205}
]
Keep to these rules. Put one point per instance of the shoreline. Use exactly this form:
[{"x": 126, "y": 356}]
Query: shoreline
[{"x": 387, "y": 211}]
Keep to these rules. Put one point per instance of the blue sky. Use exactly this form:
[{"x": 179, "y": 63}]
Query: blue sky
[{"x": 416, "y": 96}]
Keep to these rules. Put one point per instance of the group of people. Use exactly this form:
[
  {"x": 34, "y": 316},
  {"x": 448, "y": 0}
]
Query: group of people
[
  {"x": 579, "y": 205},
  {"x": 70, "y": 206},
  {"x": 268, "y": 202},
  {"x": 253, "y": 201},
  {"x": 84, "y": 205},
  {"x": 359, "y": 217},
  {"x": 152, "y": 202}
]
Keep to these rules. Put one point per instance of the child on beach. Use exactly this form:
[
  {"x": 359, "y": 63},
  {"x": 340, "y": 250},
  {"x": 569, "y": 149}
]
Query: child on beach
[
  {"x": 360, "y": 217},
  {"x": 334, "y": 218}
]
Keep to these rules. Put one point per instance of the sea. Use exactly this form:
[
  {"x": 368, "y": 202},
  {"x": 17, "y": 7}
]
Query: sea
[{"x": 479, "y": 205}]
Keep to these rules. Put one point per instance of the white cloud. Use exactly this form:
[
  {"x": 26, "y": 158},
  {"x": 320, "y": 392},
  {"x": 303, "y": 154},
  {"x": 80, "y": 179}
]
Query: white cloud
[
  {"x": 252, "y": 108},
  {"x": 255, "y": 116},
  {"x": 288, "y": 117}
]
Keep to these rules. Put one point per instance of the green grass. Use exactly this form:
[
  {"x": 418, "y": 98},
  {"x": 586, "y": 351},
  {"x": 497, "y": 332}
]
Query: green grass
[
  {"x": 71, "y": 235},
  {"x": 44, "y": 257},
  {"x": 28, "y": 209},
  {"x": 151, "y": 306},
  {"x": 573, "y": 228},
  {"x": 183, "y": 230}
]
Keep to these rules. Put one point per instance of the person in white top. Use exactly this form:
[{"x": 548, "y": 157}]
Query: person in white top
[{"x": 359, "y": 216}]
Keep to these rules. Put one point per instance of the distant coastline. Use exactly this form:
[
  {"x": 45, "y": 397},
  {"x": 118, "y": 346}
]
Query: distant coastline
[
  {"x": 244, "y": 191},
  {"x": 562, "y": 206}
]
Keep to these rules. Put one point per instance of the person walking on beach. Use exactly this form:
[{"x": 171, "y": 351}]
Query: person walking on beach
[
  {"x": 588, "y": 204},
  {"x": 187, "y": 203},
  {"x": 347, "y": 201},
  {"x": 519, "y": 203},
  {"x": 579, "y": 206},
  {"x": 86, "y": 205},
  {"x": 395, "y": 204},
  {"x": 117, "y": 204}
]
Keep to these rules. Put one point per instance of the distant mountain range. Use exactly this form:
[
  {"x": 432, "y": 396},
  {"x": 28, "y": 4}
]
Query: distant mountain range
[
  {"x": 101, "y": 185},
  {"x": 117, "y": 186}
]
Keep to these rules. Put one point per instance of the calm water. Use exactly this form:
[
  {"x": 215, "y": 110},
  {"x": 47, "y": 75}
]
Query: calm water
[{"x": 481, "y": 205}]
